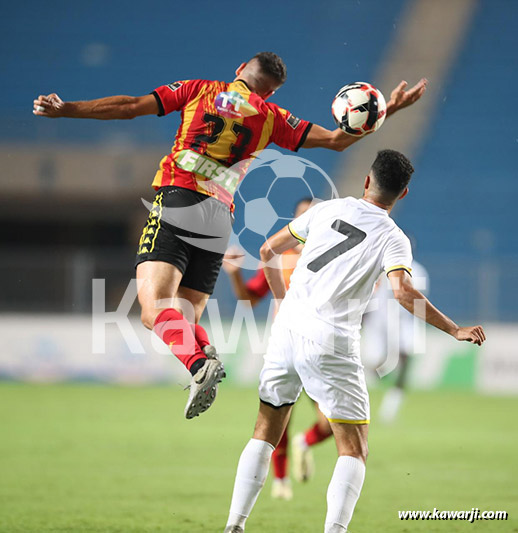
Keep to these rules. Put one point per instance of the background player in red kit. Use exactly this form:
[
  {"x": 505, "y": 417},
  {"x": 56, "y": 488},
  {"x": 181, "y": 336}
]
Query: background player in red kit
[
  {"x": 222, "y": 124},
  {"x": 253, "y": 291}
]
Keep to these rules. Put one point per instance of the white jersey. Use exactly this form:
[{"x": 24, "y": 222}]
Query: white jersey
[{"x": 348, "y": 244}]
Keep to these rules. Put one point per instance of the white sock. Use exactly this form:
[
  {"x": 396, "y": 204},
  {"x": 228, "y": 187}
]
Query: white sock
[
  {"x": 343, "y": 493},
  {"x": 252, "y": 470}
]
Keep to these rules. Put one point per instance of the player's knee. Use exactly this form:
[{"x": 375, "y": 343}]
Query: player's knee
[{"x": 147, "y": 319}]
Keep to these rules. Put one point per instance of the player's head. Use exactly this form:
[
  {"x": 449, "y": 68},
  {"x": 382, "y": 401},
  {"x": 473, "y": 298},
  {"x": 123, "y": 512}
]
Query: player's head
[
  {"x": 302, "y": 206},
  {"x": 264, "y": 73},
  {"x": 389, "y": 177}
]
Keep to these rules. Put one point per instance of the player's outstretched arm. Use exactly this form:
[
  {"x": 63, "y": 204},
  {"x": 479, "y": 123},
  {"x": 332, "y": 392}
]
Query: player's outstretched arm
[
  {"x": 410, "y": 298},
  {"x": 271, "y": 252},
  {"x": 109, "y": 108},
  {"x": 400, "y": 97}
]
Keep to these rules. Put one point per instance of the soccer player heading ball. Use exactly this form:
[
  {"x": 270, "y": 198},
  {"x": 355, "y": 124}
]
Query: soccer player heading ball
[
  {"x": 223, "y": 124},
  {"x": 315, "y": 337}
]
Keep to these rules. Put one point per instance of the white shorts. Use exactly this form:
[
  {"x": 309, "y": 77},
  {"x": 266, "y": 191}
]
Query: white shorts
[{"x": 335, "y": 381}]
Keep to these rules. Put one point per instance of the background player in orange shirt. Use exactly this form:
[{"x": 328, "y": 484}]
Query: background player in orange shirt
[
  {"x": 254, "y": 290},
  {"x": 222, "y": 124}
]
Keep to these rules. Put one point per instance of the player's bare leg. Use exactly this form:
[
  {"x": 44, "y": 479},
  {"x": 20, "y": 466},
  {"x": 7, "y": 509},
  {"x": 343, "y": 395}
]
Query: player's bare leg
[
  {"x": 347, "y": 481},
  {"x": 393, "y": 398},
  {"x": 303, "y": 462},
  {"x": 254, "y": 463},
  {"x": 196, "y": 299},
  {"x": 172, "y": 312},
  {"x": 157, "y": 281},
  {"x": 271, "y": 423}
]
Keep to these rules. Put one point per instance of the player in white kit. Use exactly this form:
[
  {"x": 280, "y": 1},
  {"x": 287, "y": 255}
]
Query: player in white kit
[{"x": 314, "y": 343}]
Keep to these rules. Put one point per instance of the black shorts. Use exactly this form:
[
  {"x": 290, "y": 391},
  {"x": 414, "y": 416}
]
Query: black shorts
[{"x": 189, "y": 230}]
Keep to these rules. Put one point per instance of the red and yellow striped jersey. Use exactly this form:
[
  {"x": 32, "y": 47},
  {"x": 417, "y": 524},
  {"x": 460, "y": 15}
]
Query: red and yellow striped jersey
[{"x": 223, "y": 124}]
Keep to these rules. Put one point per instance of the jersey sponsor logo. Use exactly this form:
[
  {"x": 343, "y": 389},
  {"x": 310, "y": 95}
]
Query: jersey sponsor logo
[
  {"x": 232, "y": 105},
  {"x": 293, "y": 121},
  {"x": 210, "y": 169},
  {"x": 174, "y": 86}
]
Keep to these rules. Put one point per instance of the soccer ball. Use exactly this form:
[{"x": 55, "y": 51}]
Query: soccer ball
[
  {"x": 359, "y": 108},
  {"x": 266, "y": 198}
]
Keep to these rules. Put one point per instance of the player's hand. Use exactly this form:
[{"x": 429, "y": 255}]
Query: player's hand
[
  {"x": 233, "y": 259},
  {"x": 48, "y": 106},
  {"x": 400, "y": 97},
  {"x": 473, "y": 334}
]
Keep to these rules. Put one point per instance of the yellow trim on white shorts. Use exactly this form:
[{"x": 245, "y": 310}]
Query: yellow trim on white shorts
[
  {"x": 295, "y": 234},
  {"x": 355, "y": 422}
]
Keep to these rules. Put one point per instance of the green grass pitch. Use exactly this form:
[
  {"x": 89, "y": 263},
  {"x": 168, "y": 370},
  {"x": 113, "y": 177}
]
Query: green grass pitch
[{"x": 78, "y": 458}]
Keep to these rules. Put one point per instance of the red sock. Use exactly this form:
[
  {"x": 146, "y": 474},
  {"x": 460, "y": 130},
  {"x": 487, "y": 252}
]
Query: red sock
[
  {"x": 280, "y": 457},
  {"x": 314, "y": 435},
  {"x": 201, "y": 336},
  {"x": 176, "y": 332}
]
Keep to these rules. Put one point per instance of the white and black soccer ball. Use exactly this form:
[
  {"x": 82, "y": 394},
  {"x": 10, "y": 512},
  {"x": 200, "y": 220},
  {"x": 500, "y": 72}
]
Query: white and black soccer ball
[
  {"x": 359, "y": 108},
  {"x": 265, "y": 199}
]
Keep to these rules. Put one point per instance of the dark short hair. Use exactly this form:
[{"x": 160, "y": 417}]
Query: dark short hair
[
  {"x": 272, "y": 66},
  {"x": 392, "y": 172}
]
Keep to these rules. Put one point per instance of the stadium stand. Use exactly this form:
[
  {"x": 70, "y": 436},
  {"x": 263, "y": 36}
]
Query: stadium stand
[{"x": 470, "y": 144}]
